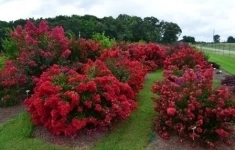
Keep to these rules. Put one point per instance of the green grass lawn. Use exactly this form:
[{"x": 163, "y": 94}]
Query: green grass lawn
[
  {"x": 132, "y": 134},
  {"x": 15, "y": 135},
  {"x": 2, "y": 60},
  {"x": 227, "y": 64}
]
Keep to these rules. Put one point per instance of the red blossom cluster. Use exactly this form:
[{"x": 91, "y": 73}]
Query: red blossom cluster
[
  {"x": 11, "y": 76},
  {"x": 151, "y": 55},
  {"x": 65, "y": 101},
  {"x": 185, "y": 57},
  {"x": 187, "y": 105},
  {"x": 11, "y": 81},
  {"x": 124, "y": 69},
  {"x": 40, "y": 47},
  {"x": 82, "y": 50}
]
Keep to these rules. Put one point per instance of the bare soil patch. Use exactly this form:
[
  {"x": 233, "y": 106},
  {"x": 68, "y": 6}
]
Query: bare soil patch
[{"x": 7, "y": 113}]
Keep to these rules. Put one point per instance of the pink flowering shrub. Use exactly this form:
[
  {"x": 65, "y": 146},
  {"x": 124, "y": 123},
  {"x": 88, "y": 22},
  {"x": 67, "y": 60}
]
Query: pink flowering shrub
[
  {"x": 40, "y": 47},
  {"x": 11, "y": 81},
  {"x": 185, "y": 57},
  {"x": 66, "y": 102},
  {"x": 188, "y": 106}
]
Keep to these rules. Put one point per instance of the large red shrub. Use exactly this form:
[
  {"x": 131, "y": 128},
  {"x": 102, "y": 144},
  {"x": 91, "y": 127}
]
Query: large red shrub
[
  {"x": 185, "y": 57},
  {"x": 187, "y": 105},
  {"x": 65, "y": 101},
  {"x": 40, "y": 47}
]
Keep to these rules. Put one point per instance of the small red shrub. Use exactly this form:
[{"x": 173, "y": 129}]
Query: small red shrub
[{"x": 11, "y": 81}]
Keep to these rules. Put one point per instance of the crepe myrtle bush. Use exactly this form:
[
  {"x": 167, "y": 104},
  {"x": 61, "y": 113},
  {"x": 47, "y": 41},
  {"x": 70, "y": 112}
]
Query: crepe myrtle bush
[
  {"x": 84, "y": 49},
  {"x": 124, "y": 69},
  {"x": 151, "y": 55},
  {"x": 12, "y": 84},
  {"x": 186, "y": 57},
  {"x": 65, "y": 102},
  {"x": 40, "y": 47},
  {"x": 188, "y": 105}
]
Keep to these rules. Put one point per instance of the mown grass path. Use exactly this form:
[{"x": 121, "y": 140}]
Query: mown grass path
[{"x": 135, "y": 132}]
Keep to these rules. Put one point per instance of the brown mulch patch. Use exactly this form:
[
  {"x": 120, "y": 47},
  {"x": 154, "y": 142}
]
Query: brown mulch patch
[
  {"x": 7, "y": 113},
  {"x": 81, "y": 141},
  {"x": 175, "y": 143}
]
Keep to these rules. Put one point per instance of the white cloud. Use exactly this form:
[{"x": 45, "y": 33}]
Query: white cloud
[{"x": 196, "y": 18}]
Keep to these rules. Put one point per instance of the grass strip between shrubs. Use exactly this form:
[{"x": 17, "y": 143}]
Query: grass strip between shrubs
[
  {"x": 15, "y": 133},
  {"x": 135, "y": 132}
]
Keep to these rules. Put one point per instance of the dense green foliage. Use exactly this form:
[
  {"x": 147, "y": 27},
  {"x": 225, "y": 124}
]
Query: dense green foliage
[
  {"x": 122, "y": 28},
  {"x": 188, "y": 39},
  {"x": 105, "y": 41},
  {"x": 216, "y": 38},
  {"x": 231, "y": 39}
]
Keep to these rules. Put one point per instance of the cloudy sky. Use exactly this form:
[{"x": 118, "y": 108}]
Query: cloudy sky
[{"x": 197, "y": 18}]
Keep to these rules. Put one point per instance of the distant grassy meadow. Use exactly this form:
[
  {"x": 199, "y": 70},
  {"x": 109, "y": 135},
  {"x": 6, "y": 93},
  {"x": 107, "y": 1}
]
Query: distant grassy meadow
[{"x": 226, "y": 46}]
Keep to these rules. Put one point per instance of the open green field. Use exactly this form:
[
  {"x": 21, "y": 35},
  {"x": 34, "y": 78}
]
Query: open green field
[
  {"x": 226, "y": 46},
  {"x": 133, "y": 133},
  {"x": 226, "y": 63}
]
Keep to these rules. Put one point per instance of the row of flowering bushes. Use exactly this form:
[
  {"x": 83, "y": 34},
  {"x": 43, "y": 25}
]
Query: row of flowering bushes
[
  {"x": 74, "y": 84},
  {"x": 39, "y": 47},
  {"x": 187, "y": 104}
]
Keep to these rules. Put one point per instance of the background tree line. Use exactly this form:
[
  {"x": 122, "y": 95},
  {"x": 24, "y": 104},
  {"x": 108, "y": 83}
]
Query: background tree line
[
  {"x": 122, "y": 28},
  {"x": 230, "y": 39}
]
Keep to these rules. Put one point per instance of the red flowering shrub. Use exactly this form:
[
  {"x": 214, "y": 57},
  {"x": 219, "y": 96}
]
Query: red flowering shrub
[
  {"x": 187, "y": 105},
  {"x": 95, "y": 69},
  {"x": 151, "y": 55},
  {"x": 229, "y": 81},
  {"x": 185, "y": 57},
  {"x": 131, "y": 72},
  {"x": 40, "y": 47},
  {"x": 82, "y": 50},
  {"x": 65, "y": 101},
  {"x": 11, "y": 80}
]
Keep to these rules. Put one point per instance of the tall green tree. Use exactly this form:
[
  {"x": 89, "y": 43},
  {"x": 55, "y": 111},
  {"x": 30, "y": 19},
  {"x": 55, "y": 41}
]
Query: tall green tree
[
  {"x": 188, "y": 39},
  {"x": 216, "y": 38},
  {"x": 231, "y": 39},
  {"x": 124, "y": 27},
  {"x": 151, "y": 29},
  {"x": 170, "y": 32}
]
